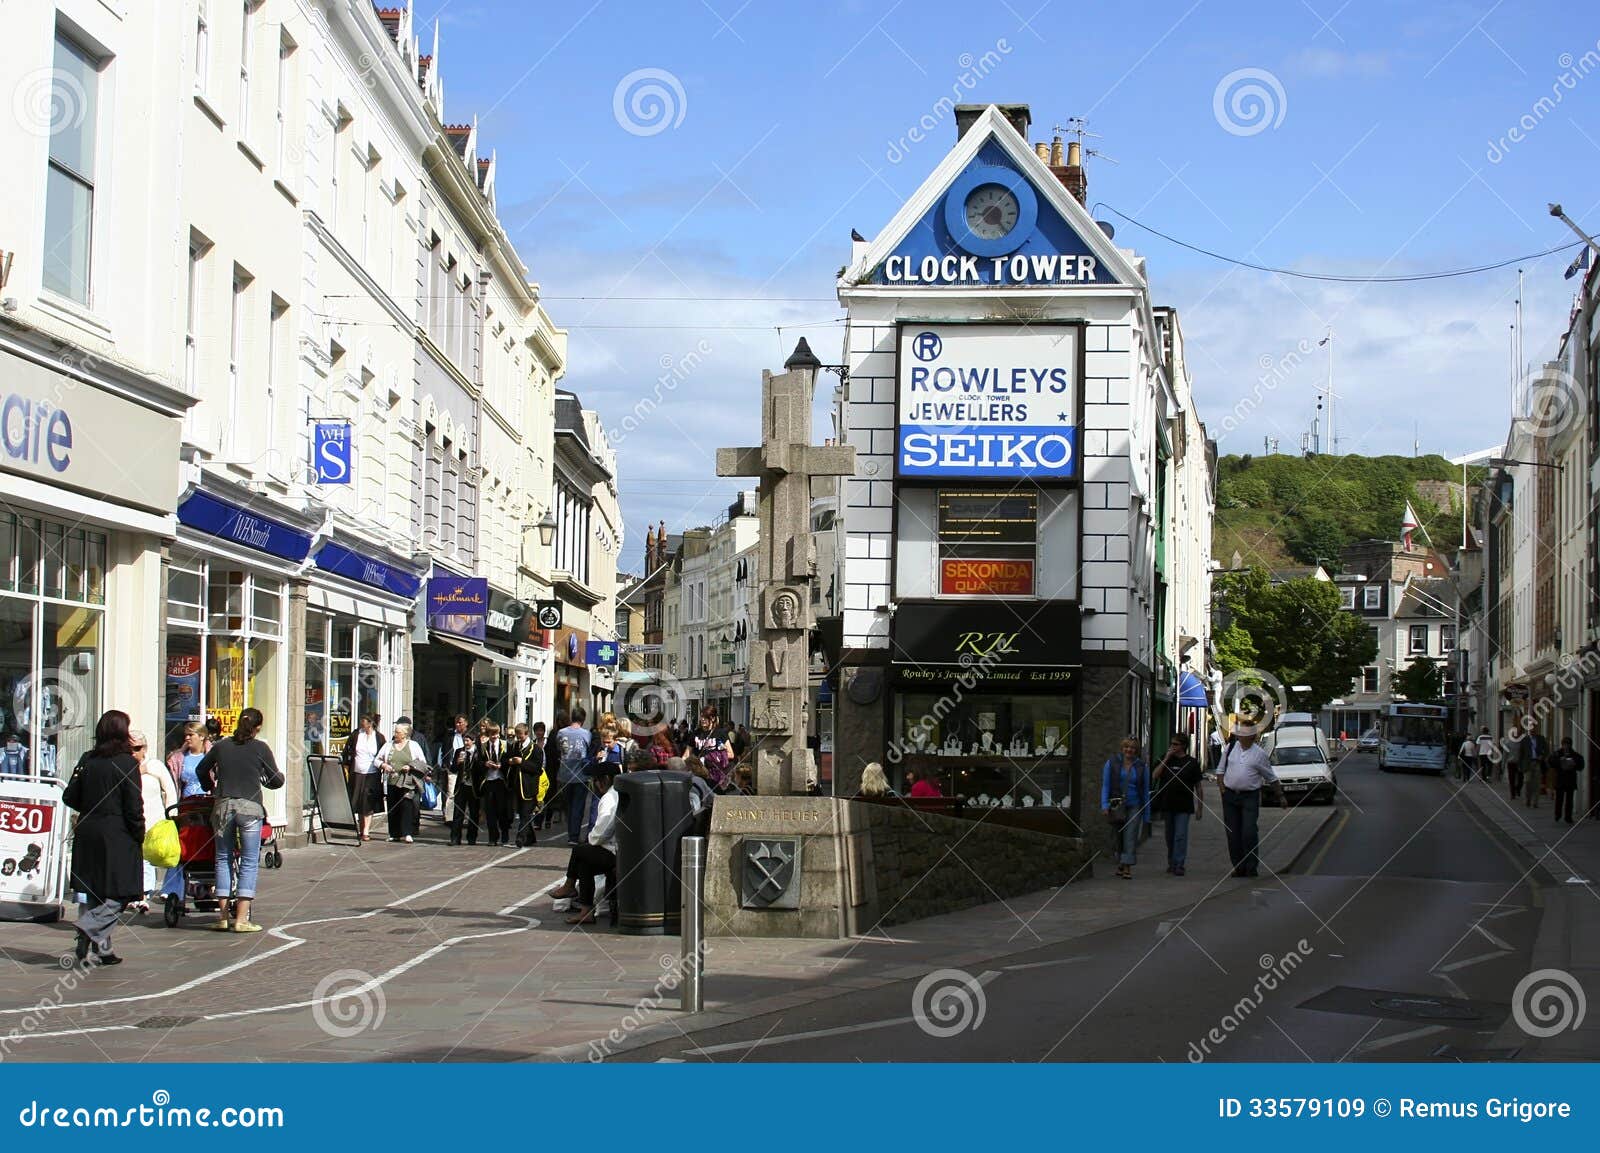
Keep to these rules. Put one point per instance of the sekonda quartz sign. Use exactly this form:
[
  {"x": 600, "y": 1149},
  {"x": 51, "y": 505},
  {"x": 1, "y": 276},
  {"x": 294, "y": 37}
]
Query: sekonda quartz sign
[{"x": 988, "y": 401}]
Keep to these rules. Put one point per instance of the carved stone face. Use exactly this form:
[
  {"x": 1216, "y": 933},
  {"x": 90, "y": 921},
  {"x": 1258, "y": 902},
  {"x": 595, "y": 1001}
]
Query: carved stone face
[{"x": 785, "y": 610}]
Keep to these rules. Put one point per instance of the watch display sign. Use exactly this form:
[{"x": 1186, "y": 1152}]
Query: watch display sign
[
  {"x": 992, "y": 577},
  {"x": 989, "y": 401}
]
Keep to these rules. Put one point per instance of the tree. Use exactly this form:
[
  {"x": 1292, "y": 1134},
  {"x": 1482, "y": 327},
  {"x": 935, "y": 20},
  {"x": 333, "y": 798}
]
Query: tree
[
  {"x": 1422, "y": 681},
  {"x": 1296, "y": 632},
  {"x": 1316, "y": 538}
]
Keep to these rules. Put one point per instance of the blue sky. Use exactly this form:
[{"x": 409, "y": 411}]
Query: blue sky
[{"x": 1386, "y": 147}]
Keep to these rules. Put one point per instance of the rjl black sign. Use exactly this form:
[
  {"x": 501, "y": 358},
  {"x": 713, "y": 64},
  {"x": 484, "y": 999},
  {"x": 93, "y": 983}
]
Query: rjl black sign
[{"x": 1002, "y": 634}]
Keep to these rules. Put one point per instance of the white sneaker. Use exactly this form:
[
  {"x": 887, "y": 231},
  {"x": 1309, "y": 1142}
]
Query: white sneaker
[
  {"x": 561, "y": 904},
  {"x": 408, "y": 840}
]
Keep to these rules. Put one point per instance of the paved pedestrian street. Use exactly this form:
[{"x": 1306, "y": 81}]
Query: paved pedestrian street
[{"x": 432, "y": 953}]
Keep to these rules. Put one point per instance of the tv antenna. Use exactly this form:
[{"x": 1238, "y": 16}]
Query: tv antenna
[{"x": 1078, "y": 127}]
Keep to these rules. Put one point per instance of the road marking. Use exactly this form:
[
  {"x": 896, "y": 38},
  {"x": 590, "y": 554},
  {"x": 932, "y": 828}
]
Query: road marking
[
  {"x": 1492, "y": 939},
  {"x": 813, "y": 1034},
  {"x": 1344, "y": 819},
  {"x": 1400, "y": 1038},
  {"x": 280, "y": 932},
  {"x": 529, "y": 899},
  {"x": 1045, "y": 964},
  {"x": 1478, "y": 960}
]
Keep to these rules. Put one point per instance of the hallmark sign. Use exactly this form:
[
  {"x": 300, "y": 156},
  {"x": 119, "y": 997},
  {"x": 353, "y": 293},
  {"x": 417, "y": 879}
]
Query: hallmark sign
[{"x": 988, "y": 401}]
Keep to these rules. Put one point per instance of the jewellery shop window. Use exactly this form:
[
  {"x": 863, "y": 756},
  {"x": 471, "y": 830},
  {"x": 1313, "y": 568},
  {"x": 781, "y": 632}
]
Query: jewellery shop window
[
  {"x": 224, "y": 645},
  {"x": 52, "y": 598},
  {"x": 352, "y": 669},
  {"x": 994, "y": 750}
]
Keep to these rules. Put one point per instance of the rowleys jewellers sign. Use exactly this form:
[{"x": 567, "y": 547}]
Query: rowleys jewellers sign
[
  {"x": 988, "y": 401},
  {"x": 1031, "y": 644}
]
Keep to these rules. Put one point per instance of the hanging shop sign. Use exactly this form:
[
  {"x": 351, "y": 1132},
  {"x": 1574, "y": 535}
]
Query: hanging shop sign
[
  {"x": 458, "y": 605},
  {"x": 992, "y": 401},
  {"x": 330, "y": 451},
  {"x": 600, "y": 653}
]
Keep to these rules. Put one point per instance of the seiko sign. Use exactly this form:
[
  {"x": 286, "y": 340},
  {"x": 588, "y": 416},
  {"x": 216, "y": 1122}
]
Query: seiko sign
[{"x": 988, "y": 401}]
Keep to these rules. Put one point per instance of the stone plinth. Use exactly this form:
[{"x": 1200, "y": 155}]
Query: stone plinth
[{"x": 863, "y": 865}]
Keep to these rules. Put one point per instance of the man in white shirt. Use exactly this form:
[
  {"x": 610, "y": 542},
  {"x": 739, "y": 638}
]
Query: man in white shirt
[
  {"x": 595, "y": 854},
  {"x": 1488, "y": 761},
  {"x": 1246, "y": 767}
]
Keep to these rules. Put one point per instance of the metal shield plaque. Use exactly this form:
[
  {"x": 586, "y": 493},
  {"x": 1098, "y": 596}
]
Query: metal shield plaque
[{"x": 770, "y": 873}]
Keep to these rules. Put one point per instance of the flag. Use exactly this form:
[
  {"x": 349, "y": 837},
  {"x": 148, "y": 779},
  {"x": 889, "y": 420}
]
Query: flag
[
  {"x": 1579, "y": 263},
  {"x": 1408, "y": 525}
]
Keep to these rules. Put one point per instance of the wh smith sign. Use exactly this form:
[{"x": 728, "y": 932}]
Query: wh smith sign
[{"x": 988, "y": 401}]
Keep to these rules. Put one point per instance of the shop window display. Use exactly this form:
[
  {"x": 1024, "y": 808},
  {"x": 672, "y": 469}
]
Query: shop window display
[
  {"x": 52, "y": 592},
  {"x": 992, "y": 750}
]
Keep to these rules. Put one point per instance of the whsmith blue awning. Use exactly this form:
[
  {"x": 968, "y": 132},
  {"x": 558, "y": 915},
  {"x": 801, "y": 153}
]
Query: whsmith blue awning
[
  {"x": 1191, "y": 691},
  {"x": 210, "y": 514},
  {"x": 336, "y": 558}
]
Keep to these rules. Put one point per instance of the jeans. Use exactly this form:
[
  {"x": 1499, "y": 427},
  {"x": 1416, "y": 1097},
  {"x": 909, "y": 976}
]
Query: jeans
[
  {"x": 1128, "y": 838},
  {"x": 172, "y": 883},
  {"x": 247, "y": 856},
  {"x": 1178, "y": 839},
  {"x": 1241, "y": 813},
  {"x": 577, "y": 799}
]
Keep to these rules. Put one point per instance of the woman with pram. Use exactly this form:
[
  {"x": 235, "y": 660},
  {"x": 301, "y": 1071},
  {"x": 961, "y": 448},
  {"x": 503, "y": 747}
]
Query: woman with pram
[{"x": 236, "y": 770}]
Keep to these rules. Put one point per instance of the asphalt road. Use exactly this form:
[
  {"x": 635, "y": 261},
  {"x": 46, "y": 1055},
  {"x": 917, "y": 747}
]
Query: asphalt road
[{"x": 1400, "y": 936}]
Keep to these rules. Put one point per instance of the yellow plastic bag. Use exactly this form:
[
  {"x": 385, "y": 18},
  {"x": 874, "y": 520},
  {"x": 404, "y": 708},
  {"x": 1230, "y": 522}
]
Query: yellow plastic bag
[
  {"x": 544, "y": 787},
  {"x": 161, "y": 844}
]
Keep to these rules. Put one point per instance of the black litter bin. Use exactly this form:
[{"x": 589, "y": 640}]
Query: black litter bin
[{"x": 653, "y": 817}]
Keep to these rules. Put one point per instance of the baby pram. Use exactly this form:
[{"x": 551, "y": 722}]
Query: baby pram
[{"x": 197, "y": 857}]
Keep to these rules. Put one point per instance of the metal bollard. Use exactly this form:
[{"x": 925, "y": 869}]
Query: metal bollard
[{"x": 694, "y": 923}]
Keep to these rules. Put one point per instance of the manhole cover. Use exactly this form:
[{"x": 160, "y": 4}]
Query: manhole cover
[
  {"x": 1428, "y": 1008},
  {"x": 167, "y": 1022},
  {"x": 1399, "y": 1005}
]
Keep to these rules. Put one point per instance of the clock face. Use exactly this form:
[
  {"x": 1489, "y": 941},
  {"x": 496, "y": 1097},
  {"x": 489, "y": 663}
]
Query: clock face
[{"x": 991, "y": 211}]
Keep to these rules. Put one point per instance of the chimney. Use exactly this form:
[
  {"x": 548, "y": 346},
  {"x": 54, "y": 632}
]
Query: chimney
[
  {"x": 1071, "y": 172},
  {"x": 1043, "y": 150},
  {"x": 1018, "y": 114}
]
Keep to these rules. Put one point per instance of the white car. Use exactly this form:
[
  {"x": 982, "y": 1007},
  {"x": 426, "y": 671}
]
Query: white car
[{"x": 1304, "y": 771}]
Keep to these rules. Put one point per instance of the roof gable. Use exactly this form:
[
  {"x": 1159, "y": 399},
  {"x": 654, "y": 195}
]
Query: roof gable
[{"x": 1061, "y": 247}]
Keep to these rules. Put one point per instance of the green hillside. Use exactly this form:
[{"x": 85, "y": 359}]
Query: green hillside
[{"x": 1282, "y": 510}]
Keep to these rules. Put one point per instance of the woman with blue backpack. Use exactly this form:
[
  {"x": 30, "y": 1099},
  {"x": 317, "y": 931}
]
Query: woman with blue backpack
[{"x": 1125, "y": 802}]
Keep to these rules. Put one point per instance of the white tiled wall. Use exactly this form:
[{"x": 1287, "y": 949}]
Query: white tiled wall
[{"x": 1112, "y": 367}]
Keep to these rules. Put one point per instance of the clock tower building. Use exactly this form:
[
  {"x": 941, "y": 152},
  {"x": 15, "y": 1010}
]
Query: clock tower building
[{"x": 1006, "y": 393}]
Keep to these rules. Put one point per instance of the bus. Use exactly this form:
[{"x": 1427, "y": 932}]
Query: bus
[{"x": 1414, "y": 737}]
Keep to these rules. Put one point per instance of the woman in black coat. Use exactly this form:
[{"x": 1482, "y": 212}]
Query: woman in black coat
[{"x": 108, "y": 842}]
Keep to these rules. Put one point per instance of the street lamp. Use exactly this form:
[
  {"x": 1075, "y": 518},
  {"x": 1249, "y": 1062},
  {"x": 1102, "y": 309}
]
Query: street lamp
[
  {"x": 1502, "y": 462},
  {"x": 547, "y": 528},
  {"x": 1555, "y": 210}
]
